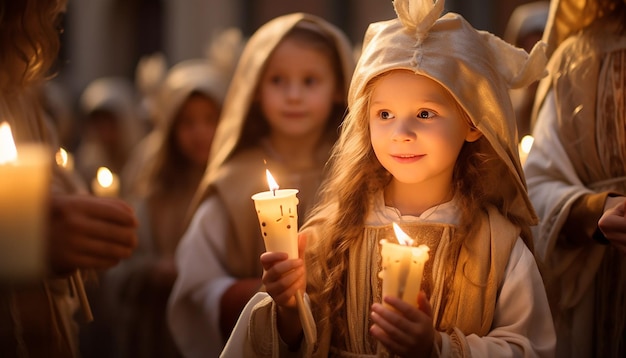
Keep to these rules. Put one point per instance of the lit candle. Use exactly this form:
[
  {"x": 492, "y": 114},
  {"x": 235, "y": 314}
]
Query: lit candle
[
  {"x": 278, "y": 217},
  {"x": 105, "y": 184},
  {"x": 402, "y": 267},
  {"x": 24, "y": 188}
]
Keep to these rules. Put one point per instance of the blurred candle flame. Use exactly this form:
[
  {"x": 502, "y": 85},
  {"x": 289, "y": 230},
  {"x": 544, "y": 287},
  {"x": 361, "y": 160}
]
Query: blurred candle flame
[
  {"x": 61, "y": 157},
  {"x": 527, "y": 143},
  {"x": 8, "y": 152},
  {"x": 403, "y": 238},
  {"x": 105, "y": 177}
]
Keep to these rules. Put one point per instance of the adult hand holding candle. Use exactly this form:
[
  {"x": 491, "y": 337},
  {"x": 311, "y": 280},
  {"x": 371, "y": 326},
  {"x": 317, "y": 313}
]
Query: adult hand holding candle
[
  {"x": 24, "y": 178},
  {"x": 402, "y": 267},
  {"x": 278, "y": 217}
]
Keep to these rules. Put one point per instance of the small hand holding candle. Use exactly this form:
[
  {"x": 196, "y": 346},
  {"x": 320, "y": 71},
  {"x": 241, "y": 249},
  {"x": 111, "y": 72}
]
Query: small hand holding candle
[
  {"x": 278, "y": 219},
  {"x": 402, "y": 267}
]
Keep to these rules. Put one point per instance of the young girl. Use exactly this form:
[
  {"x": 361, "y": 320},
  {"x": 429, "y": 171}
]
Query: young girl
[
  {"x": 429, "y": 142},
  {"x": 188, "y": 110},
  {"x": 281, "y": 112}
]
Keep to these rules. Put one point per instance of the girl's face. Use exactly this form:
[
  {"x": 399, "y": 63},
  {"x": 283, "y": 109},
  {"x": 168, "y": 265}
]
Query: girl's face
[
  {"x": 195, "y": 126},
  {"x": 416, "y": 129},
  {"x": 297, "y": 90}
]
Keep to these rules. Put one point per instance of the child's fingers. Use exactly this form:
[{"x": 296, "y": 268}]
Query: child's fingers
[
  {"x": 391, "y": 323},
  {"x": 424, "y": 304},
  {"x": 380, "y": 335},
  {"x": 284, "y": 287},
  {"x": 269, "y": 259}
]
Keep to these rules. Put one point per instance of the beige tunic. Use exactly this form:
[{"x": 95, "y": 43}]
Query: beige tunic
[
  {"x": 578, "y": 157},
  {"x": 496, "y": 305}
]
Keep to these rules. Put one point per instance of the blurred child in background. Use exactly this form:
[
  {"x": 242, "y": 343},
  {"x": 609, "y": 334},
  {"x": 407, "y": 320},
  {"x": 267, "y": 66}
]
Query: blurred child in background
[{"x": 281, "y": 112}]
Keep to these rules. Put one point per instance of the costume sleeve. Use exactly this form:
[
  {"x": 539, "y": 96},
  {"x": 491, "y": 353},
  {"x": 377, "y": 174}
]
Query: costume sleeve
[
  {"x": 256, "y": 333},
  {"x": 557, "y": 192},
  {"x": 194, "y": 303},
  {"x": 582, "y": 221},
  {"x": 522, "y": 325}
]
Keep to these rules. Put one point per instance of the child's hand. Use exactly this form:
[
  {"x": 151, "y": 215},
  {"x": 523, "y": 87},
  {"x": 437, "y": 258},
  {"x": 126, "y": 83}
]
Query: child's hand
[
  {"x": 406, "y": 331},
  {"x": 282, "y": 277},
  {"x": 613, "y": 222}
]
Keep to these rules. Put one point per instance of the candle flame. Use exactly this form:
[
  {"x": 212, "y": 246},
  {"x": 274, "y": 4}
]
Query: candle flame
[
  {"x": 105, "y": 177},
  {"x": 8, "y": 152},
  {"x": 403, "y": 238},
  {"x": 61, "y": 158},
  {"x": 527, "y": 143},
  {"x": 270, "y": 181}
]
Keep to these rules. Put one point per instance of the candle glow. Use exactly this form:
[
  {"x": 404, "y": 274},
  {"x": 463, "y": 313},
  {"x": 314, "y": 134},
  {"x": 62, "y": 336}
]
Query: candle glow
[
  {"x": 402, "y": 267},
  {"x": 278, "y": 217},
  {"x": 24, "y": 184},
  {"x": 105, "y": 177},
  {"x": 105, "y": 184},
  {"x": 64, "y": 159},
  {"x": 8, "y": 152}
]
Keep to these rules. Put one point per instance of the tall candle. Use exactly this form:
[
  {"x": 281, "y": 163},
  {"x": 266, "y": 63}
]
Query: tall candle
[
  {"x": 278, "y": 217},
  {"x": 402, "y": 267},
  {"x": 24, "y": 188},
  {"x": 105, "y": 184}
]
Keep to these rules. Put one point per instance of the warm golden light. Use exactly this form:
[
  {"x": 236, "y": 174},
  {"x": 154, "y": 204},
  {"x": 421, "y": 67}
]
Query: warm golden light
[
  {"x": 527, "y": 143},
  {"x": 61, "y": 157},
  {"x": 8, "y": 152},
  {"x": 403, "y": 238},
  {"x": 105, "y": 177},
  {"x": 270, "y": 181}
]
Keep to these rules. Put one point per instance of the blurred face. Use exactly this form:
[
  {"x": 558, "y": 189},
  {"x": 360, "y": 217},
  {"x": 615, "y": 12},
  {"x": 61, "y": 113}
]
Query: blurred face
[
  {"x": 104, "y": 126},
  {"x": 195, "y": 127},
  {"x": 297, "y": 90},
  {"x": 416, "y": 129}
]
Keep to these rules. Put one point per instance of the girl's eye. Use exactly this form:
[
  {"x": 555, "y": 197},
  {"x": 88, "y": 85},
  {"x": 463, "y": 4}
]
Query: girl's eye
[
  {"x": 309, "y": 81},
  {"x": 276, "y": 79},
  {"x": 424, "y": 114},
  {"x": 386, "y": 115}
]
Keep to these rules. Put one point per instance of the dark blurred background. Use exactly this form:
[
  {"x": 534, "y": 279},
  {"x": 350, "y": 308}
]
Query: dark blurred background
[{"x": 108, "y": 37}]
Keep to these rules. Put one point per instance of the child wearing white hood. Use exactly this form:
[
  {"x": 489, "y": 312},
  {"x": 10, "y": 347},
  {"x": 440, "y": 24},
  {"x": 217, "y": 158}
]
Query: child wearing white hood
[{"x": 429, "y": 143}]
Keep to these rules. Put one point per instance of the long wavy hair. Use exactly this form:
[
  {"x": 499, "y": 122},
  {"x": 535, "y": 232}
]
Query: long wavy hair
[
  {"x": 29, "y": 36},
  {"x": 355, "y": 175}
]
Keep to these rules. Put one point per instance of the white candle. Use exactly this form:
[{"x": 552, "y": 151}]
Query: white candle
[
  {"x": 278, "y": 218},
  {"x": 24, "y": 188},
  {"x": 105, "y": 184},
  {"x": 402, "y": 267},
  {"x": 277, "y": 210}
]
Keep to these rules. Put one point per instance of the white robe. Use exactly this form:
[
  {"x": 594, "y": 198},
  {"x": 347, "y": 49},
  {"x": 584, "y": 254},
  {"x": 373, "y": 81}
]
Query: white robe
[{"x": 521, "y": 326}]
